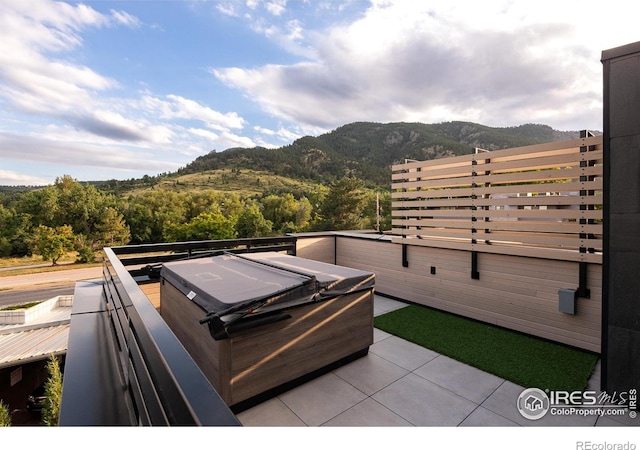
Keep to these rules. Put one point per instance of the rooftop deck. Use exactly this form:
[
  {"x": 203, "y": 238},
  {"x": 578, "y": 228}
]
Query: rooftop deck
[
  {"x": 396, "y": 384},
  {"x": 402, "y": 384}
]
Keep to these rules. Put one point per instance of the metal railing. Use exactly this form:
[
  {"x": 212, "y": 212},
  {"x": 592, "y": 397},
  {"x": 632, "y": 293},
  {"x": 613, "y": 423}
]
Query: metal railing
[
  {"x": 137, "y": 369},
  {"x": 153, "y": 254}
]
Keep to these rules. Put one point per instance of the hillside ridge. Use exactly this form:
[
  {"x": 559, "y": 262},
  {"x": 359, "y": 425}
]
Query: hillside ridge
[{"x": 365, "y": 150}]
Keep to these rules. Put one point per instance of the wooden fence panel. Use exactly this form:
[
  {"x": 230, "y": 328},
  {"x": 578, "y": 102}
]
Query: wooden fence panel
[
  {"x": 512, "y": 291},
  {"x": 542, "y": 201}
]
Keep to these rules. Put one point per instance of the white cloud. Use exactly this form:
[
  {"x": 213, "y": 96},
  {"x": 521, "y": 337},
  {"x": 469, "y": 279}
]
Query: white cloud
[
  {"x": 234, "y": 140},
  {"x": 227, "y": 9},
  {"x": 276, "y": 7},
  {"x": 204, "y": 134},
  {"x": 40, "y": 149},
  {"x": 496, "y": 62},
  {"x": 283, "y": 134},
  {"x": 11, "y": 178},
  {"x": 252, "y": 4},
  {"x": 189, "y": 109},
  {"x": 124, "y": 18}
]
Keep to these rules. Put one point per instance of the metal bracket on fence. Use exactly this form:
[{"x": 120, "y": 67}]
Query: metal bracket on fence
[
  {"x": 474, "y": 266},
  {"x": 405, "y": 260},
  {"x": 583, "y": 291}
]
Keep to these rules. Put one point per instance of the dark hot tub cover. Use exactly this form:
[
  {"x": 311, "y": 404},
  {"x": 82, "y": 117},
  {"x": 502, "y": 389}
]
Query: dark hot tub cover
[{"x": 228, "y": 283}]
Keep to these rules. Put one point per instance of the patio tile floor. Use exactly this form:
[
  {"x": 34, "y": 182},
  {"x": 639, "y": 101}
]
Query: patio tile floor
[{"x": 402, "y": 384}]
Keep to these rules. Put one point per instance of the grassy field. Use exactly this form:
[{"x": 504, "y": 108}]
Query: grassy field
[
  {"x": 34, "y": 264},
  {"x": 244, "y": 182},
  {"x": 522, "y": 359},
  {"x": 34, "y": 260}
]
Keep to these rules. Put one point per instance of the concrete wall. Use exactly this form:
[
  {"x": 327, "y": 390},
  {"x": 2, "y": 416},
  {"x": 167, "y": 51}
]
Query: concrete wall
[{"x": 621, "y": 264}]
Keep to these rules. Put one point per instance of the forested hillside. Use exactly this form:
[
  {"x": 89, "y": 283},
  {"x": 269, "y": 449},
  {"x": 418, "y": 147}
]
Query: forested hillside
[
  {"x": 367, "y": 150},
  {"x": 364, "y": 150},
  {"x": 338, "y": 180}
]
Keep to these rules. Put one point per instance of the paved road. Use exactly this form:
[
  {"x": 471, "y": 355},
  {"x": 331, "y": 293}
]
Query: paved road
[
  {"x": 26, "y": 295},
  {"x": 31, "y": 266},
  {"x": 41, "y": 279}
]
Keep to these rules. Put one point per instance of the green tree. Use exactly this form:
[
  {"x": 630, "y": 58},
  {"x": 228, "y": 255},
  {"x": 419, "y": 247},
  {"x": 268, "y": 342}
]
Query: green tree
[
  {"x": 40, "y": 205},
  {"x": 14, "y": 230},
  {"x": 52, "y": 243},
  {"x": 303, "y": 214},
  {"x": 80, "y": 205},
  {"x": 343, "y": 208},
  {"x": 5, "y": 416},
  {"x": 85, "y": 252},
  {"x": 286, "y": 213},
  {"x": 112, "y": 229},
  {"x": 149, "y": 213},
  {"x": 211, "y": 225},
  {"x": 53, "y": 392},
  {"x": 383, "y": 202},
  {"x": 251, "y": 223}
]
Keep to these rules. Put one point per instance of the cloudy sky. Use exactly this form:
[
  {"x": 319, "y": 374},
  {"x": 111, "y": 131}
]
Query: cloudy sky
[{"x": 119, "y": 89}]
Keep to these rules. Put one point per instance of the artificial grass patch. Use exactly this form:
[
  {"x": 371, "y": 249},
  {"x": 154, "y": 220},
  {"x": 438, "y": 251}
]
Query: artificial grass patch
[{"x": 522, "y": 359}]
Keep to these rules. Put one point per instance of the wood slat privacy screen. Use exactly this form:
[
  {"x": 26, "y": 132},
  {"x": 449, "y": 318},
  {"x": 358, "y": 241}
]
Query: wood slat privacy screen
[{"x": 540, "y": 201}]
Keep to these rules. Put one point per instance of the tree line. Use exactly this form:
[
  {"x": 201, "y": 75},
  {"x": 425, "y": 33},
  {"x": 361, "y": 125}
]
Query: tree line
[{"x": 73, "y": 216}]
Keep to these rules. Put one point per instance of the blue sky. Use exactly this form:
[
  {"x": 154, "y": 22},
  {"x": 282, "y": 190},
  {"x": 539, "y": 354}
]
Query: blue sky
[{"x": 119, "y": 89}]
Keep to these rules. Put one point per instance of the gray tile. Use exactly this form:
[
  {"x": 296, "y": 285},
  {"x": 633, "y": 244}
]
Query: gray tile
[
  {"x": 383, "y": 305},
  {"x": 368, "y": 413},
  {"x": 624, "y": 420},
  {"x": 482, "y": 417},
  {"x": 322, "y": 399},
  {"x": 379, "y": 335},
  {"x": 403, "y": 353},
  {"x": 469, "y": 382},
  {"x": 594, "y": 379},
  {"x": 424, "y": 403},
  {"x": 566, "y": 421},
  {"x": 504, "y": 402},
  {"x": 371, "y": 373},
  {"x": 611, "y": 422},
  {"x": 271, "y": 413}
]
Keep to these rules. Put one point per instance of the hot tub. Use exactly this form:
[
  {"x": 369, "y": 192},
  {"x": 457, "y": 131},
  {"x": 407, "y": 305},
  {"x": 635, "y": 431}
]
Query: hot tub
[{"x": 261, "y": 323}]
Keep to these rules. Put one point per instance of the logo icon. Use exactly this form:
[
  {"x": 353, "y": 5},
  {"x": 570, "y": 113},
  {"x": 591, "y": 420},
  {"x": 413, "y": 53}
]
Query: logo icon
[{"x": 533, "y": 403}]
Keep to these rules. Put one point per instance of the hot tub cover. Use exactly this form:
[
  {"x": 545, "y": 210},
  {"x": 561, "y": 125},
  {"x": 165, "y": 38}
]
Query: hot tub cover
[{"x": 227, "y": 283}]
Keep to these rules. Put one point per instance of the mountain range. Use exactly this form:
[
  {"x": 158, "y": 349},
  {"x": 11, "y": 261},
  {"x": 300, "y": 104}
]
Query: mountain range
[{"x": 367, "y": 150}]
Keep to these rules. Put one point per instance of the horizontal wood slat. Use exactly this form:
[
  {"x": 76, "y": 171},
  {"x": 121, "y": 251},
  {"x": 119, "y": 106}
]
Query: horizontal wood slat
[
  {"x": 548, "y": 149},
  {"x": 572, "y": 159},
  {"x": 523, "y": 189},
  {"x": 532, "y": 176},
  {"x": 546, "y": 198},
  {"x": 537, "y": 200},
  {"x": 522, "y": 226}
]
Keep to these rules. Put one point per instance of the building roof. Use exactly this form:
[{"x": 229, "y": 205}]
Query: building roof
[{"x": 42, "y": 332}]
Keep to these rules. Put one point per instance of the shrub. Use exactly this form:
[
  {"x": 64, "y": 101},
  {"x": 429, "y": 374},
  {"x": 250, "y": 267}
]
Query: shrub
[
  {"x": 5, "y": 416},
  {"x": 53, "y": 392}
]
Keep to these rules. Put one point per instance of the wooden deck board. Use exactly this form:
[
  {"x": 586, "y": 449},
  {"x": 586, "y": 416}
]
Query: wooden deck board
[{"x": 152, "y": 291}]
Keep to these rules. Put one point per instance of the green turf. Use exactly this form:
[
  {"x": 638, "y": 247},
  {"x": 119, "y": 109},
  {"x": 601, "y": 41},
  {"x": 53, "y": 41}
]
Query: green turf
[{"x": 522, "y": 359}]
